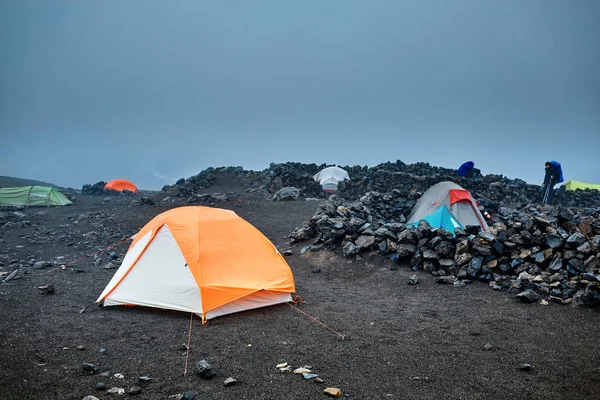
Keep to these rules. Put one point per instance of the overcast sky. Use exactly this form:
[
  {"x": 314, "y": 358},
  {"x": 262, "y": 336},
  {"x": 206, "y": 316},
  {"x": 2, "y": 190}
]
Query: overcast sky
[{"x": 152, "y": 91}]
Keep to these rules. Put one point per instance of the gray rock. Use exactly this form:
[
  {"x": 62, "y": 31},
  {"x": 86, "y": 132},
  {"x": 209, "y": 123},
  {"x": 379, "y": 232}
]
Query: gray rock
[
  {"x": 305, "y": 249},
  {"x": 424, "y": 228},
  {"x": 462, "y": 247},
  {"x": 46, "y": 289},
  {"x": 413, "y": 280},
  {"x": 406, "y": 250},
  {"x": 590, "y": 277},
  {"x": 475, "y": 266},
  {"x": 113, "y": 255},
  {"x": 554, "y": 241},
  {"x": 220, "y": 196},
  {"x": 145, "y": 378},
  {"x": 487, "y": 346},
  {"x": 483, "y": 250},
  {"x": 463, "y": 259},
  {"x": 538, "y": 258},
  {"x": 525, "y": 367},
  {"x": 557, "y": 300},
  {"x": 355, "y": 223},
  {"x": 430, "y": 254},
  {"x": 588, "y": 297},
  {"x": 90, "y": 397},
  {"x": 556, "y": 264},
  {"x": 487, "y": 236},
  {"x": 350, "y": 249},
  {"x": 287, "y": 193},
  {"x": 229, "y": 382},
  {"x": 109, "y": 266},
  {"x": 100, "y": 386},
  {"x": 555, "y": 278},
  {"x": 385, "y": 233},
  {"x": 134, "y": 390},
  {"x": 91, "y": 368},
  {"x": 528, "y": 296},
  {"x": 585, "y": 248},
  {"x": 446, "y": 279},
  {"x": 592, "y": 264},
  {"x": 543, "y": 223},
  {"x": 576, "y": 240},
  {"x": 407, "y": 237},
  {"x": 41, "y": 264},
  {"x": 365, "y": 241},
  {"x": 205, "y": 370}
]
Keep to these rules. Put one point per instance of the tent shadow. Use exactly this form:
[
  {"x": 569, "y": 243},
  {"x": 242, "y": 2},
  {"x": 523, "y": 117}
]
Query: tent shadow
[{"x": 257, "y": 313}]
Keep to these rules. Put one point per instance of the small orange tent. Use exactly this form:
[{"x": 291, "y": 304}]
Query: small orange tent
[
  {"x": 204, "y": 260},
  {"x": 121, "y": 184}
]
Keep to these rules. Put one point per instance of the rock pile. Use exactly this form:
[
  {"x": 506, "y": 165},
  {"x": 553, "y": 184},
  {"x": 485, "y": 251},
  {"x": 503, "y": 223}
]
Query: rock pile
[
  {"x": 493, "y": 190},
  {"x": 551, "y": 253},
  {"x": 209, "y": 177},
  {"x": 295, "y": 175},
  {"x": 95, "y": 189},
  {"x": 272, "y": 179}
]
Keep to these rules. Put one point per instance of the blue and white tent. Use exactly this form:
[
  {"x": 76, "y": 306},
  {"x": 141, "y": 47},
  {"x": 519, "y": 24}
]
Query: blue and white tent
[
  {"x": 442, "y": 218},
  {"x": 446, "y": 204}
]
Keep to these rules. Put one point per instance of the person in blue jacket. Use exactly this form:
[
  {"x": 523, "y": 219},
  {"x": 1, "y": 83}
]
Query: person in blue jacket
[
  {"x": 468, "y": 170},
  {"x": 551, "y": 178}
]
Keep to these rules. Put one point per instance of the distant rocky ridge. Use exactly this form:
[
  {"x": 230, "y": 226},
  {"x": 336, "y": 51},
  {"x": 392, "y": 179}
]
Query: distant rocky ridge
[
  {"x": 492, "y": 191},
  {"x": 9, "y": 181}
]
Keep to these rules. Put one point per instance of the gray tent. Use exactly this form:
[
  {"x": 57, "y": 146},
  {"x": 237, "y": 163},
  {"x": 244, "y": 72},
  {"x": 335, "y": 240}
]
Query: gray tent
[{"x": 458, "y": 200}]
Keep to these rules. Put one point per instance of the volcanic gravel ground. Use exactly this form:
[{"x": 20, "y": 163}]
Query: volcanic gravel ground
[{"x": 401, "y": 342}]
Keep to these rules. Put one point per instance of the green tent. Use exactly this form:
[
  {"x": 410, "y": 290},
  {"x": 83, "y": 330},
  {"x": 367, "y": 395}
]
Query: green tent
[{"x": 30, "y": 196}]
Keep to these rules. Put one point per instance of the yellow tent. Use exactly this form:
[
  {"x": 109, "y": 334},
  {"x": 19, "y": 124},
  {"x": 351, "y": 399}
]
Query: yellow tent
[{"x": 572, "y": 185}]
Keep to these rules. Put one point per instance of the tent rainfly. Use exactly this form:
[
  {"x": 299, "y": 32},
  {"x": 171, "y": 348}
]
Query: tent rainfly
[
  {"x": 32, "y": 196},
  {"x": 204, "y": 260},
  {"x": 330, "y": 177},
  {"x": 118, "y": 185}
]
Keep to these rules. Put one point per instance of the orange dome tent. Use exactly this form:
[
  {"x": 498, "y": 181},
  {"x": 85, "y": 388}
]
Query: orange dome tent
[
  {"x": 121, "y": 184},
  {"x": 204, "y": 260}
]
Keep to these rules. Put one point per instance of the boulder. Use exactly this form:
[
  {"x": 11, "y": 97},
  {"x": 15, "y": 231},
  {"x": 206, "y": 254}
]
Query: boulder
[
  {"x": 528, "y": 296},
  {"x": 205, "y": 370},
  {"x": 286, "y": 194}
]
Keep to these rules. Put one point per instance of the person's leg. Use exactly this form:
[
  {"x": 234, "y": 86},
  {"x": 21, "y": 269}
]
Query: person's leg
[
  {"x": 542, "y": 194},
  {"x": 550, "y": 194}
]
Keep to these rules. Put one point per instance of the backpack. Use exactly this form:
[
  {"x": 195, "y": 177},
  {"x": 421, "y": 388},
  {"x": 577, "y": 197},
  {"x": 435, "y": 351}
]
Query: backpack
[{"x": 558, "y": 167}]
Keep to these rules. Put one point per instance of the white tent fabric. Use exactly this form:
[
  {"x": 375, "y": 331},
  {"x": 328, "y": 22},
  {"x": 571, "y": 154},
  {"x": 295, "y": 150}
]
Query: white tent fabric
[
  {"x": 160, "y": 278},
  {"x": 330, "y": 177}
]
